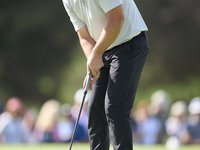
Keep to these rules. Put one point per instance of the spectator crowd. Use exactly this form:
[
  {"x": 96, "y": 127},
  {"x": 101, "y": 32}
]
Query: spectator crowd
[{"x": 154, "y": 121}]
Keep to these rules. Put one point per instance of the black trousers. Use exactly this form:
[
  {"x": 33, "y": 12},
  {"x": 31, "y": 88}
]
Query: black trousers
[{"x": 112, "y": 97}]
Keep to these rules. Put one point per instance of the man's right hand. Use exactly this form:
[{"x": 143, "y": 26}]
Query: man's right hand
[{"x": 94, "y": 64}]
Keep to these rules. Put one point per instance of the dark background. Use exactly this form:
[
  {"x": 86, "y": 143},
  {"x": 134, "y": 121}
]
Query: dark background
[{"x": 40, "y": 55}]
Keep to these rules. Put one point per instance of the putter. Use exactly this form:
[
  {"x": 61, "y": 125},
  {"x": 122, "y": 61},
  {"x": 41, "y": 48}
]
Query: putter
[{"x": 84, "y": 95}]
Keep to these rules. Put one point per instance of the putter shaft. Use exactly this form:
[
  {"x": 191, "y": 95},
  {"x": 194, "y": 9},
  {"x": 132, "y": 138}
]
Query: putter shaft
[{"x": 79, "y": 114}]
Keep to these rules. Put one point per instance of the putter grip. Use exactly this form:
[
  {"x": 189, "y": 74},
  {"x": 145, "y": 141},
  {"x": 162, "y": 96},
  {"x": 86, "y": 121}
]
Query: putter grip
[{"x": 88, "y": 82}]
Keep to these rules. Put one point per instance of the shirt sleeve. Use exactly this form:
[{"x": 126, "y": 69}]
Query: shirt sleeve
[
  {"x": 76, "y": 21},
  {"x": 108, "y": 5}
]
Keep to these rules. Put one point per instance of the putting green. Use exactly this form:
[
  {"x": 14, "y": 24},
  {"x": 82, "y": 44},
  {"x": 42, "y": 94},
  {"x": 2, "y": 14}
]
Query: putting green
[{"x": 85, "y": 146}]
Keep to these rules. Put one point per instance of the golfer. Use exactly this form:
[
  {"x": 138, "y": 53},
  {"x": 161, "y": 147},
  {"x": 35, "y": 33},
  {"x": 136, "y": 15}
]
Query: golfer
[{"x": 112, "y": 36}]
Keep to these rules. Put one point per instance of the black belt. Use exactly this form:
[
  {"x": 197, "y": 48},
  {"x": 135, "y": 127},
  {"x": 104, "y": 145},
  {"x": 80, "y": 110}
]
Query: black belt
[{"x": 142, "y": 34}]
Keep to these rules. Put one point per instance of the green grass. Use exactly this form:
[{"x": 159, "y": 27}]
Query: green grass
[{"x": 77, "y": 146}]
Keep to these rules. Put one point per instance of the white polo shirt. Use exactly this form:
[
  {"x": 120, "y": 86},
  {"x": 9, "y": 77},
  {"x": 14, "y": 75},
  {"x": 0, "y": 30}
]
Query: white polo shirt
[{"x": 92, "y": 13}]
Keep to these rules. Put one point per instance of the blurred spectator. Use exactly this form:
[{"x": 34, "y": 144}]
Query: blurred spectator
[
  {"x": 11, "y": 130},
  {"x": 65, "y": 125},
  {"x": 160, "y": 102},
  {"x": 82, "y": 133},
  {"x": 28, "y": 123},
  {"x": 192, "y": 135},
  {"x": 69, "y": 116},
  {"x": 134, "y": 126},
  {"x": 176, "y": 124},
  {"x": 46, "y": 122},
  {"x": 1, "y": 107},
  {"x": 148, "y": 127}
]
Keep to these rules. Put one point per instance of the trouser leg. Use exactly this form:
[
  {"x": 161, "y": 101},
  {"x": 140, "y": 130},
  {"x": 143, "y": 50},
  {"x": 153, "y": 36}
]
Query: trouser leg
[
  {"x": 125, "y": 70},
  {"x": 113, "y": 95},
  {"x": 97, "y": 124}
]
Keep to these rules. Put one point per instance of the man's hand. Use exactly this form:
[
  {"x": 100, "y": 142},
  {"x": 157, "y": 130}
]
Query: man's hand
[{"x": 94, "y": 64}]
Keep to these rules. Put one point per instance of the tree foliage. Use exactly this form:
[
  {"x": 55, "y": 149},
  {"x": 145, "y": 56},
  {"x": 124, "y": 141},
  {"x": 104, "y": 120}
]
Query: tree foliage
[{"x": 38, "y": 47}]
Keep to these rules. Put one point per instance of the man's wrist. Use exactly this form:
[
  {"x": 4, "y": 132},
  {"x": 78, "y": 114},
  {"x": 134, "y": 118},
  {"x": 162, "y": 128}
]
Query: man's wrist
[{"x": 97, "y": 52}]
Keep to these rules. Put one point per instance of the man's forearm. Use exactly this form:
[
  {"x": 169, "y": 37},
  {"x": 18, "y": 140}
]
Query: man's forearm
[
  {"x": 107, "y": 37},
  {"x": 109, "y": 33},
  {"x": 87, "y": 45},
  {"x": 86, "y": 41}
]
